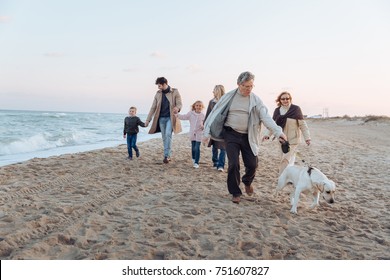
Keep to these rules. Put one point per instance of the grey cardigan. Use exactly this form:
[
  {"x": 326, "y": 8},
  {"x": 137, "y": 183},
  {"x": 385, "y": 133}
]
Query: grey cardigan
[{"x": 258, "y": 114}]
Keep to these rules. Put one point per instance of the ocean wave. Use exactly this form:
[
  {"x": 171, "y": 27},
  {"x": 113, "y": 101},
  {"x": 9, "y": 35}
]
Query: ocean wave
[
  {"x": 44, "y": 141},
  {"x": 28, "y": 134},
  {"x": 54, "y": 114}
]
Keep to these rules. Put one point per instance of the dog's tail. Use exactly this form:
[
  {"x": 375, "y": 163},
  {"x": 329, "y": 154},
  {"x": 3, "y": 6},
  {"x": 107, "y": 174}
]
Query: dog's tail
[{"x": 281, "y": 182}]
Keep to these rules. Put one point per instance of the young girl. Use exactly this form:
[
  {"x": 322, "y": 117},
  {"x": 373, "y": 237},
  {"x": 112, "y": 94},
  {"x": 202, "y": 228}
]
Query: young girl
[{"x": 196, "y": 118}]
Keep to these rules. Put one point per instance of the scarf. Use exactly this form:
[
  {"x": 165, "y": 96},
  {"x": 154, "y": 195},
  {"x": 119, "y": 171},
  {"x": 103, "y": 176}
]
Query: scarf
[
  {"x": 166, "y": 90},
  {"x": 165, "y": 111},
  {"x": 293, "y": 113}
]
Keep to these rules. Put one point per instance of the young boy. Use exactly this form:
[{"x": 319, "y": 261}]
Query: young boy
[{"x": 131, "y": 129}]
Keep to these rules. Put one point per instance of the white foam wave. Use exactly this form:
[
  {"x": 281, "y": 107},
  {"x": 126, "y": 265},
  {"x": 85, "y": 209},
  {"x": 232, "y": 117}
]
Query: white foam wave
[
  {"x": 44, "y": 141},
  {"x": 28, "y": 134}
]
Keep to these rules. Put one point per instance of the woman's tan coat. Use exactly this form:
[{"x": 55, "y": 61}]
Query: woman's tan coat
[
  {"x": 174, "y": 99},
  {"x": 293, "y": 129}
]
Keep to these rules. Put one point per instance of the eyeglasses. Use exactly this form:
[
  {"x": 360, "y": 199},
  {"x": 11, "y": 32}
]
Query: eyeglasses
[
  {"x": 247, "y": 87},
  {"x": 286, "y": 98}
]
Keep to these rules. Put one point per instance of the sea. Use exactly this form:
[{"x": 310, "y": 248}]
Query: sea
[{"x": 40, "y": 134}]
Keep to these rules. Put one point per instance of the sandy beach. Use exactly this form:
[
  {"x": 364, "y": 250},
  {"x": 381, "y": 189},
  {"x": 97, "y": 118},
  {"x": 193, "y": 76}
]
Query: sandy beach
[{"x": 98, "y": 205}]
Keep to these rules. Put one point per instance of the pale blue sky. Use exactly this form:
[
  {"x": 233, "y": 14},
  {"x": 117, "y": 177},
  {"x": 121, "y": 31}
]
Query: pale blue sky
[{"x": 104, "y": 56}]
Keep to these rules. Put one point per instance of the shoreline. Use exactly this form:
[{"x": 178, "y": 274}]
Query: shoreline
[
  {"x": 97, "y": 205},
  {"x": 66, "y": 150}
]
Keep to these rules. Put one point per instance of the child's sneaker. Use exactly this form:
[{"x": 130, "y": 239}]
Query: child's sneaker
[
  {"x": 220, "y": 169},
  {"x": 196, "y": 165},
  {"x": 129, "y": 158}
]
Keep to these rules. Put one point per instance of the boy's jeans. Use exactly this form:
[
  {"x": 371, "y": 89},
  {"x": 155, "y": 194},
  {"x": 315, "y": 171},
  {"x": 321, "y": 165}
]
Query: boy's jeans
[
  {"x": 166, "y": 133},
  {"x": 132, "y": 144}
]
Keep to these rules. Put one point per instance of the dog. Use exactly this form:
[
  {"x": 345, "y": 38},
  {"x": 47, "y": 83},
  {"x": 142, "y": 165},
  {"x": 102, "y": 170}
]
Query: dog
[{"x": 304, "y": 178}]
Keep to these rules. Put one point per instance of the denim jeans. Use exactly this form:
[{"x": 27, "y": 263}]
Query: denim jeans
[
  {"x": 195, "y": 151},
  {"x": 166, "y": 133},
  {"x": 132, "y": 144},
  {"x": 219, "y": 161}
]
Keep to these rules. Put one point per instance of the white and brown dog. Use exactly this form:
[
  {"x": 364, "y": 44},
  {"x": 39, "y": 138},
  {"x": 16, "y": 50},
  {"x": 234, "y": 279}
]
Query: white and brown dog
[{"x": 306, "y": 179}]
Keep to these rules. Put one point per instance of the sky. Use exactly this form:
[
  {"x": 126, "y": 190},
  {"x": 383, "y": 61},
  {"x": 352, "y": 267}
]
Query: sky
[{"x": 104, "y": 56}]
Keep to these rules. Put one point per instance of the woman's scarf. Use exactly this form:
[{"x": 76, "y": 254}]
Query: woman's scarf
[{"x": 293, "y": 113}]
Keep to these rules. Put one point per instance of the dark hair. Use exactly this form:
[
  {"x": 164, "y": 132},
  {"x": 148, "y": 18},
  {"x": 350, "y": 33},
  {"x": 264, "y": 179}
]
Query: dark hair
[{"x": 161, "y": 81}]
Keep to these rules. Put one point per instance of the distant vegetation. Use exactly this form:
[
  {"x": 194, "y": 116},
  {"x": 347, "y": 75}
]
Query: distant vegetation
[
  {"x": 368, "y": 118},
  {"x": 365, "y": 119}
]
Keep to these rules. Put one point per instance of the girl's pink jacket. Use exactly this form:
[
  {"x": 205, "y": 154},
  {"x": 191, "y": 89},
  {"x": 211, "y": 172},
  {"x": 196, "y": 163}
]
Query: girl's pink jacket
[{"x": 196, "y": 124}]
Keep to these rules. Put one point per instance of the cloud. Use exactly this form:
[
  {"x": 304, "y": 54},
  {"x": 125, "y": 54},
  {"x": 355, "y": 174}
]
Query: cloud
[
  {"x": 54, "y": 54},
  {"x": 157, "y": 54},
  {"x": 4, "y": 19}
]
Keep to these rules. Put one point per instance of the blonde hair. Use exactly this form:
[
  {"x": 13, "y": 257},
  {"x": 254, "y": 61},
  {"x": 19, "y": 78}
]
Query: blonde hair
[
  {"x": 197, "y": 102},
  {"x": 218, "y": 91}
]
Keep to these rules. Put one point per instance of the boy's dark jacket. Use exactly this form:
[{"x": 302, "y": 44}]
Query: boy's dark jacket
[{"x": 131, "y": 125}]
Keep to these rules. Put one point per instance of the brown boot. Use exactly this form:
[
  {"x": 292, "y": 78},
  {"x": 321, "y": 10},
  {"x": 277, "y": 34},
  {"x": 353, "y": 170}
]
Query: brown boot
[
  {"x": 236, "y": 199},
  {"x": 249, "y": 190}
]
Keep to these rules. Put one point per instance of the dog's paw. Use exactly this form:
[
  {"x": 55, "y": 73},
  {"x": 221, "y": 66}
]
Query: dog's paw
[{"x": 293, "y": 211}]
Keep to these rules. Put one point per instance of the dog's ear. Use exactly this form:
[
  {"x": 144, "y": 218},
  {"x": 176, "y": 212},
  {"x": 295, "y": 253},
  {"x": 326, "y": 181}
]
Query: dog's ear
[{"x": 321, "y": 187}]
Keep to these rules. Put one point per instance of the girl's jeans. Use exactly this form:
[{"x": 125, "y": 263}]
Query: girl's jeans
[{"x": 195, "y": 151}]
